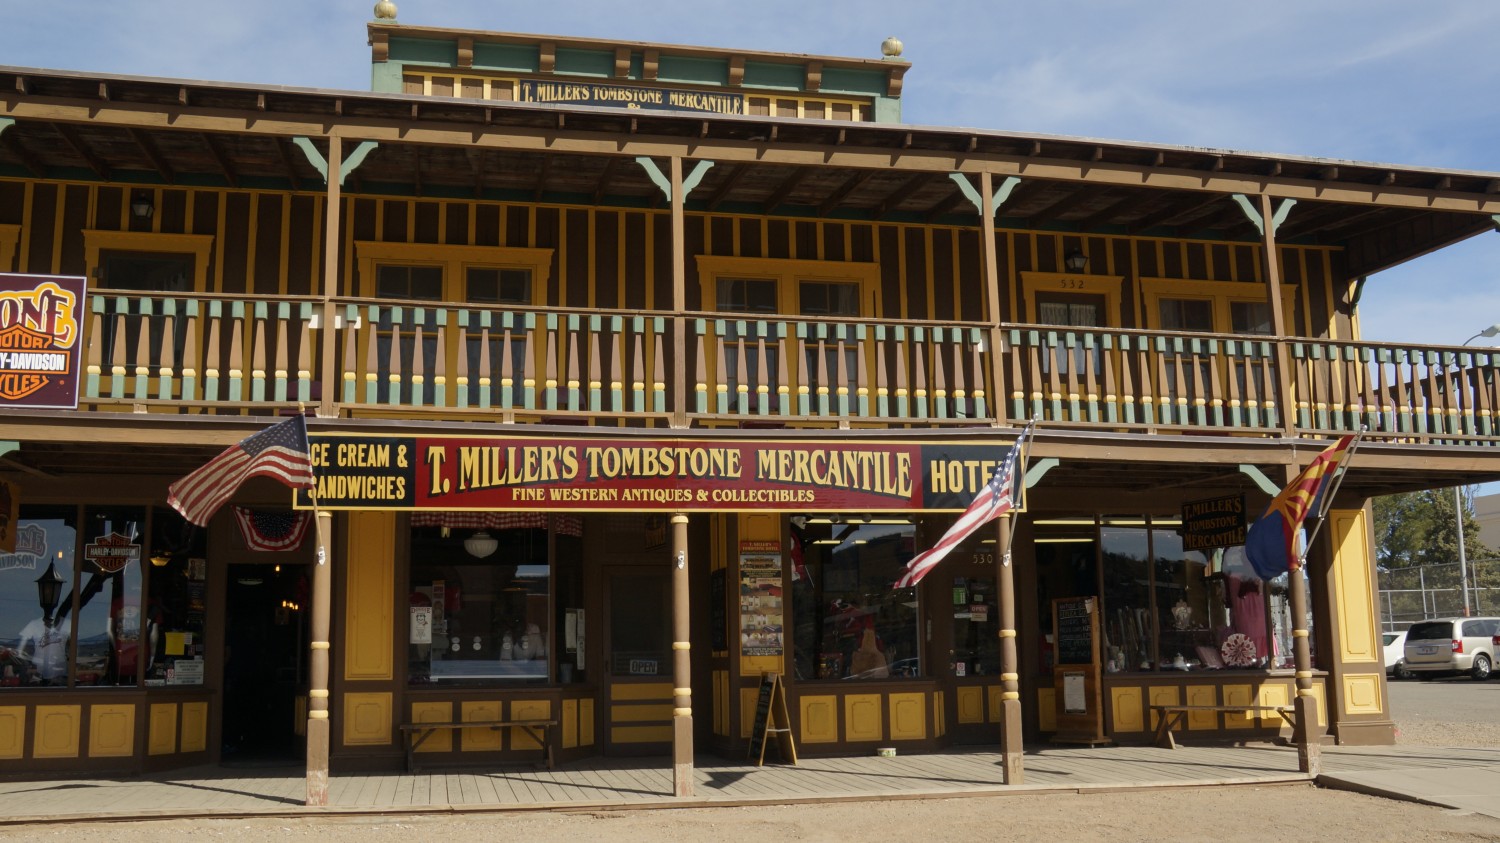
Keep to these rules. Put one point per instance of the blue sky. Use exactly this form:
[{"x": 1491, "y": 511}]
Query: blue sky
[{"x": 1387, "y": 81}]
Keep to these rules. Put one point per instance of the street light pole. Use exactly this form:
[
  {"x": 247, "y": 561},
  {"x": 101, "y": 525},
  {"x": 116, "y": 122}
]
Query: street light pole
[{"x": 1463, "y": 563}]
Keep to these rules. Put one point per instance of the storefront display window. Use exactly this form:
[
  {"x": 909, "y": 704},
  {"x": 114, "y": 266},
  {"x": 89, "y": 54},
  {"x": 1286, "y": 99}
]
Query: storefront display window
[
  {"x": 479, "y": 603},
  {"x": 176, "y": 597},
  {"x": 36, "y": 586},
  {"x": 849, "y": 622},
  {"x": 109, "y": 603},
  {"x": 1129, "y": 631}
]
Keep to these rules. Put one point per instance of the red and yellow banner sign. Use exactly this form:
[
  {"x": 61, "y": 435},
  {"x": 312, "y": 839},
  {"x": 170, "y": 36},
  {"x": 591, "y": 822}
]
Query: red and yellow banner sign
[{"x": 516, "y": 473}]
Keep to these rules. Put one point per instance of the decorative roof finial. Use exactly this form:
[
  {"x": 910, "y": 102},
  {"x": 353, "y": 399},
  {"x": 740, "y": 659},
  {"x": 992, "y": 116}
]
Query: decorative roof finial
[
  {"x": 385, "y": 10},
  {"x": 891, "y": 47}
]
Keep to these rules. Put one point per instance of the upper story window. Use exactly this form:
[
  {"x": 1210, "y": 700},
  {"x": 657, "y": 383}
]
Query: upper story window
[
  {"x": 1225, "y": 307},
  {"x": 481, "y": 275}
]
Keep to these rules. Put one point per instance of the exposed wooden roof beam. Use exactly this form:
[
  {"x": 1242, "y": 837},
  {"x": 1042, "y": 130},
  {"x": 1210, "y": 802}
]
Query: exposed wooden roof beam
[
  {"x": 1080, "y": 195},
  {"x": 71, "y": 136},
  {"x": 288, "y": 162},
  {"x": 946, "y": 204},
  {"x": 1110, "y": 211},
  {"x": 736, "y": 173},
  {"x": 901, "y": 194},
  {"x": 1391, "y": 218},
  {"x": 104, "y": 91},
  {"x": 850, "y": 185},
  {"x": 1175, "y": 210},
  {"x": 220, "y": 158},
  {"x": 604, "y": 176},
  {"x": 148, "y": 148},
  {"x": 1337, "y": 217},
  {"x": 12, "y": 143},
  {"x": 790, "y": 184}
]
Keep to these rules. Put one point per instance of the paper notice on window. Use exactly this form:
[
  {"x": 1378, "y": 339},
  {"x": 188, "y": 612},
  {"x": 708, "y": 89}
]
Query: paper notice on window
[
  {"x": 1075, "y": 701},
  {"x": 177, "y": 643},
  {"x": 421, "y": 624}
]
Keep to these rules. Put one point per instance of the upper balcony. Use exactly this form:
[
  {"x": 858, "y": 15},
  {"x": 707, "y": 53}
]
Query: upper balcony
[{"x": 414, "y": 359}]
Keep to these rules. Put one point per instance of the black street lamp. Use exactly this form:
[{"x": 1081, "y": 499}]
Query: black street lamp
[{"x": 47, "y": 587}]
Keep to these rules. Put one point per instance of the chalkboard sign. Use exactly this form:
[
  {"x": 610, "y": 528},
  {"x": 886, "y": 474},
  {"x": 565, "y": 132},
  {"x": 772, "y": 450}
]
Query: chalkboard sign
[
  {"x": 1074, "y": 634},
  {"x": 771, "y": 718}
]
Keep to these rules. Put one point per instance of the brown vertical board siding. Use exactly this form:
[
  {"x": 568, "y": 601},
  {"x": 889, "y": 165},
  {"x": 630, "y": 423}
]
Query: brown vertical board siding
[
  {"x": 1197, "y": 263},
  {"x": 890, "y": 271},
  {"x": 574, "y": 289},
  {"x": 106, "y": 209},
  {"x": 393, "y": 229},
  {"x": 517, "y": 219},
  {"x": 749, "y": 238},
  {"x": 12, "y": 202},
  {"x": 75, "y": 219},
  {"x": 458, "y": 224},
  {"x": 236, "y": 236},
  {"x": 425, "y": 229},
  {"x": 635, "y": 261},
  {"x": 805, "y": 244},
  {"x": 1025, "y": 260},
  {"x": 942, "y": 276},
  {"x": 1145, "y": 255},
  {"x": 1222, "y": 257},
  {"x": 778, "y": 238},
  {"x": 720, "y": 236},
  {"x": 171, "y": 211},
  {"x": 1046, "y": 259},
  {"x": 39, "y": 234},
  {"x": 305, "y": 225},
  {"x": 832, "y": 235},
  {"x": 970, "y": 271},
  {"x": 660, "y": 228},
  {"x": 916, "y": 272},
  {"x": 206, "y": 215},
  {"x": 661, "y": 235},
  {"x": 267, "y": 280},
  {"x": 548, "y": 220},
  {"x": 861, "y": 243},
  {"x": 362, "y": 219},
  {"x": 607, "y": 248},
  {"x": 486, "y": 225},
  {"x": 1171, "y": 263}
]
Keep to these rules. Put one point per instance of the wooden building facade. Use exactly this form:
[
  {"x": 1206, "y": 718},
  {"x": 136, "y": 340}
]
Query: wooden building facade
[{"x": 602, "y": 301}]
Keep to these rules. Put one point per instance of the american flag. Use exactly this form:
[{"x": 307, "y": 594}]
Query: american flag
[
  {"x": 273, "y": 529},
  {"x": 998, "y": 496},
  {"x": 278, "y": 452}
]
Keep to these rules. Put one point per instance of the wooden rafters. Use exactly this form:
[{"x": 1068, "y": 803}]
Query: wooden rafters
[
  {"x": 946, "y": 204},
  {"x": 785, "y": 189},
  {"x": 605, "y": 175},
  {"x": 1111, "y": 211},
  {"x": 93, "y": 162},
  {"x": 1337, "y": 217},
  {"x": 1176, "y": 210},
  {"x": 288, "y": 162},
  {"x": 148, "y": 149},
  {"x": 901, "y": 194},
  {"x": 221, "y": 158},
  {"x": 29, "y": 161},
  {"x": 850, "y": 185},
  {"x": 736, "y": 173},
  {"x": 1057, "y": 209}
]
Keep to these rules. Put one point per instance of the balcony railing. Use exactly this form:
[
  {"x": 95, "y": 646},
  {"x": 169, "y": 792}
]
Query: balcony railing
[{"x": 238, "y": 354}]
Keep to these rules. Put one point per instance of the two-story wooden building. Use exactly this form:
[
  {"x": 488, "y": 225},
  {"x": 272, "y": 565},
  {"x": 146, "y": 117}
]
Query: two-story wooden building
[{"x": 633, "y": 371}]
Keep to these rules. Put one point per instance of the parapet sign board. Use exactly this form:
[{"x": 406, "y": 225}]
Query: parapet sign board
[{"x": 41, "y": 340}]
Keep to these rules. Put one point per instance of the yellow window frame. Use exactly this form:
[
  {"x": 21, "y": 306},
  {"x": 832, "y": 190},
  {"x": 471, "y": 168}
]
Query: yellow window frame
[
  {"x": 1221, "y": 293},
  {"x": 788, "y": 273},
  {"x": 454, "y": 260},
  {"x": 96, "y": 242},
  {"x": 1107, "y": 286}
]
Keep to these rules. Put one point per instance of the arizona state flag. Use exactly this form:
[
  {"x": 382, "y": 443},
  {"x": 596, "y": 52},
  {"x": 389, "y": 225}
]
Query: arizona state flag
[{"x": 1270, "y": 543}]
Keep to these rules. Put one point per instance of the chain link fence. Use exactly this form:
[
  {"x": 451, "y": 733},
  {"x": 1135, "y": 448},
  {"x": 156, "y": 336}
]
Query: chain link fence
[{"x": 1408, "y": 595}]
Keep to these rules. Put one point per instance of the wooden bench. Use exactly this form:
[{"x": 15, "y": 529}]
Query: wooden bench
[
  {"x": 1172, "y": 716},
  {"x": 417, "y": 733}
]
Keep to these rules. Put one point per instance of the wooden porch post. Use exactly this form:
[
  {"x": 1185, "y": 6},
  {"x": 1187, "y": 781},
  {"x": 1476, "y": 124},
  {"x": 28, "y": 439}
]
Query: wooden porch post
[
  {"x": 1011, "y": 751},
  {"x": 1308, "y": 733},
  {"x": 329, "y": 340},
  {"x": 682, "y": 667},
  {"x": 1278, "y": 318},
  {"x": 992, "y": 292},
  {"x": 679, "y": 301},
  {"x": 317, "y": 694}
]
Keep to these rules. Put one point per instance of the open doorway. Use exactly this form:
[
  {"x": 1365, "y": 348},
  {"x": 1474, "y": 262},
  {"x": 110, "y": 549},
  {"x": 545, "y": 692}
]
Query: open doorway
[{"x": 265, "y": 667}]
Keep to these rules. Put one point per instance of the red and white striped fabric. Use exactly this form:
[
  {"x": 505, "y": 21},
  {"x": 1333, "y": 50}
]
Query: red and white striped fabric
[
  {"x": 279, "y": 452},
  {"x": 567, "y": 525},
  {"x": 998, "y": 496}
]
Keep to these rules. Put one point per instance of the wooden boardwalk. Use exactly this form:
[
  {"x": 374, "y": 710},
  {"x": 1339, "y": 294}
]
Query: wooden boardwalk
[{"x": 642, "y": 783}]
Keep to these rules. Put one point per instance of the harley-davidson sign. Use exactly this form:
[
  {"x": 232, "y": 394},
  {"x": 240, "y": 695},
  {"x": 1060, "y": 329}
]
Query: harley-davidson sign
[
  {"x": 517, "y": 473},
  {"x": 41, "y": 340}
]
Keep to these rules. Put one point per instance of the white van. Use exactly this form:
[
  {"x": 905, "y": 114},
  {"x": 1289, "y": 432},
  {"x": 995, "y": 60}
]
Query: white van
[{"x": 1452, "y": 645}]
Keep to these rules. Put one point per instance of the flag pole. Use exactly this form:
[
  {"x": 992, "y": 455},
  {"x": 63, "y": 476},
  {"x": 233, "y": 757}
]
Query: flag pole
[
  {"x": 1012, "y": 752},
  {"x": 1327, "y": 499}
]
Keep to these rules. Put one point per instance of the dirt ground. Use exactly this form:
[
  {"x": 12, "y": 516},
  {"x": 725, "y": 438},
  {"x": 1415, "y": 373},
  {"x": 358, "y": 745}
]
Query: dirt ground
[{"x": 1227, "y": 815}]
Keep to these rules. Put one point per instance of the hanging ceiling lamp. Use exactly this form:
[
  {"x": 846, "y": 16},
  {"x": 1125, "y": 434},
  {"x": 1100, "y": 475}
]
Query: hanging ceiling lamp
[{"x": 481, "y": 544}]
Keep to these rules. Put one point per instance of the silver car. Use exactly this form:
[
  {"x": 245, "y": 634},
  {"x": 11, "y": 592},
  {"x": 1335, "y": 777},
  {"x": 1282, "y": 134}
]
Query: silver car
[{"x": 1452, "y": 645}]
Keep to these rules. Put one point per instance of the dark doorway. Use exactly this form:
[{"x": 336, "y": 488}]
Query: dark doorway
[{"x": 265, "y": 668}]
